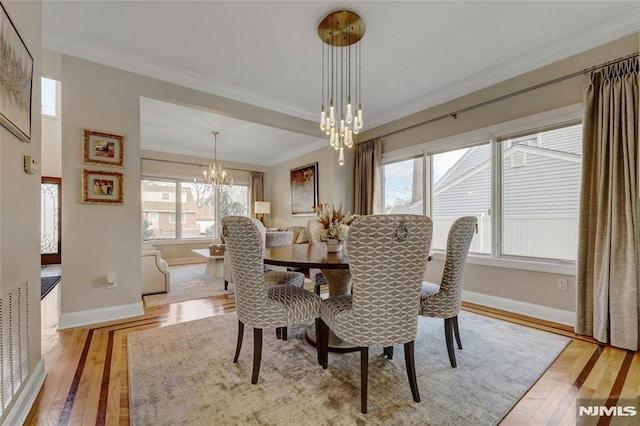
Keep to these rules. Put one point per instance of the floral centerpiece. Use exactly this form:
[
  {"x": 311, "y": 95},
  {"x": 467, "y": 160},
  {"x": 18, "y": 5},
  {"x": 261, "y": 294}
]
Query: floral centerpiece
[{"x": 335, "y": 222}]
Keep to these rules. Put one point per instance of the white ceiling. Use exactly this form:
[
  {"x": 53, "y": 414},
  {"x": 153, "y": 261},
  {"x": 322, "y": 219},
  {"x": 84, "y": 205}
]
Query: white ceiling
[{"x": 416, "y": 55}]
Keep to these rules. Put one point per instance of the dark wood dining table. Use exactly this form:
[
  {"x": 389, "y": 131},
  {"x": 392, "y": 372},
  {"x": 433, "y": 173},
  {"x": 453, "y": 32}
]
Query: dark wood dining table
[{"x": 334, "y": 266}]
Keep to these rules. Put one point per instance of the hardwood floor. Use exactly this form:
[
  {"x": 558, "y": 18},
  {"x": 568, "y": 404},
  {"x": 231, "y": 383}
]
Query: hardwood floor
[{"x": 87, "y": 368}]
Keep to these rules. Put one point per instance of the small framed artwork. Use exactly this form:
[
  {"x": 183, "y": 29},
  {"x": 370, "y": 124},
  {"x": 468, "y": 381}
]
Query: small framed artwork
[
  {"x": 103, "y": 148},
  {"x": 16, "y": 78},
  {"x": 102, "y": 187},
  {"x": 304, "y": 189}
]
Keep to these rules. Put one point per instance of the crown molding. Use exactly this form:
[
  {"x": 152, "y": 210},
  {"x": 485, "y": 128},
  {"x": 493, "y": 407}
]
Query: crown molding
[
  {"x": 574, "y": 44},
  {"x": 135, "y": 64}
]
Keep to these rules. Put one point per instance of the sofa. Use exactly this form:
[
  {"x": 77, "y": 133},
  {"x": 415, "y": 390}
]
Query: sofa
[{"x": 155, "y": 272}]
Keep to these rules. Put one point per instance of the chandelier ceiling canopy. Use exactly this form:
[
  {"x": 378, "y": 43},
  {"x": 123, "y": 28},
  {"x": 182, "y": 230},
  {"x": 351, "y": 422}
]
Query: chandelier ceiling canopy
[{"x": 341, "y": 112}]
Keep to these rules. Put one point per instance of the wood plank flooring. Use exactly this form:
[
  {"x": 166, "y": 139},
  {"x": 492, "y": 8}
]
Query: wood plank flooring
[{"x": 87, "y": 368}]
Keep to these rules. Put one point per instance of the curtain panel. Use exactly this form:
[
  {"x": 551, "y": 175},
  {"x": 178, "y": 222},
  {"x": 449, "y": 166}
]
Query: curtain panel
[
  {"x": 367, "y": 177},
  {"x": 608, "y": 296},
  {"x": 257, "y": 188}
]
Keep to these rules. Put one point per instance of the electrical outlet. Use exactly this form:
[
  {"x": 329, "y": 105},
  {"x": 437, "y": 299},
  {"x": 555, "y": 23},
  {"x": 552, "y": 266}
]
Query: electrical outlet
[{"x": 563, "y": 284}]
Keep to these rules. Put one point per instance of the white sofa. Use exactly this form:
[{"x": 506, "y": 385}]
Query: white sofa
[{"x": 155, "y": 271}]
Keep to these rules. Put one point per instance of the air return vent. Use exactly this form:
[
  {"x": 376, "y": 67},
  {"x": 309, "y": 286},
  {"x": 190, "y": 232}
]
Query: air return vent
[{"x": 14, "y": 343}]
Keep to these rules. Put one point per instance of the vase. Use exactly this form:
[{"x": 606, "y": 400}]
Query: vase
[{"x": 333, "y": 246}]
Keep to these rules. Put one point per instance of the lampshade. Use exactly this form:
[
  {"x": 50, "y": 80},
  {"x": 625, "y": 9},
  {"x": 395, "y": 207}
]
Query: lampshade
[{"x": 262, "y": 207}]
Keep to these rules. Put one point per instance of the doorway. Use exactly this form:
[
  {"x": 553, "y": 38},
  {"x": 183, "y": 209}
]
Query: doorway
[{"x": 50, "y": 221}]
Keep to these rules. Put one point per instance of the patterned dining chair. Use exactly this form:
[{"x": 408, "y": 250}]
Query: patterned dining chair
[
  {"x": 258, "y": 304},
  {"x": 315, "y": 275},
  {"x": 387, "y": 257},
  {"x": 272, "y": 276},
  {"x": 445, "y": 300}
]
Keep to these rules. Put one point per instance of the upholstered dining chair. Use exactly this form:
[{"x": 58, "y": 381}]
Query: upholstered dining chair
[
  {"x": 273, "y": 276},
  {"x": 258, "y": 304},
  {"x": 315, "y": 275},
  {"x": 387, "y": 258},
  {"x": 445, "y": 300}
]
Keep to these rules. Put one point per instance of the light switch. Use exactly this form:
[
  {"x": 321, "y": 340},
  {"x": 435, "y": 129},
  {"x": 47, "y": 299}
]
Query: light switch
[{"x": 30, "y": 165}]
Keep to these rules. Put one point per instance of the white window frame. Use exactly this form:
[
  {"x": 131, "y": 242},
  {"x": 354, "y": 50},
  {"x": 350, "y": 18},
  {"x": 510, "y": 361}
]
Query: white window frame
[
  {"x": 179, "y": 181},
  {"x": 560, "y": 117}
]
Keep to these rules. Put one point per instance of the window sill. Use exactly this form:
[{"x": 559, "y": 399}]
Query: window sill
[
  {"x": 178, "y": 242},
  {"x": 523, "y": 265}
]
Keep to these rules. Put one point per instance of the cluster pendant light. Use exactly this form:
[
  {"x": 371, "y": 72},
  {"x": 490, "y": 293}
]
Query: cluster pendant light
[
  {"x": 214, "y": 175},
  {"x": 341, "y": 113}
]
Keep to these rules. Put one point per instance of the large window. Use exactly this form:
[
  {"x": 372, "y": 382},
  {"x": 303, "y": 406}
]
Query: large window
[
  {"x": 48, "y": 97},
  {"x": 196, "y": 208},
  {"x": 541, "y": 191},
  {"x": 524, "y": 189},
  {"x": 461, "y": 186}
]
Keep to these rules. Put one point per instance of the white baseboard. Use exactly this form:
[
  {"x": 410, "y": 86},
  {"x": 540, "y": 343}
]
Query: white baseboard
[
  {"x": 18, "y": 413},
  {"x": 94, "y": 316},
  {"x": 537, "y": 311}
]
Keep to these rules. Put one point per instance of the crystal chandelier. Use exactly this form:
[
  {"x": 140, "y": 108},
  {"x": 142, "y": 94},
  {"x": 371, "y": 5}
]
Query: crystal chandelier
[
  {"x": 214, "y": 175},
  {"x": 341, "y": 78}
]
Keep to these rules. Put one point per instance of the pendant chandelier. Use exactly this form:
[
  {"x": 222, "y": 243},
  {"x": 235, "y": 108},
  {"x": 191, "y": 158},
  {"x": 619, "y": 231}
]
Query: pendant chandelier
[
  {"x": 341, "y": 78},
  {"x": 214, "y": 175}
]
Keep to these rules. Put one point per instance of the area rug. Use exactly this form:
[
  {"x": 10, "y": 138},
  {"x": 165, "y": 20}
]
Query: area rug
[
  {"x": 184, "y": 374},
  {"x": 47, "y": 283},
  {"x": 188, "y": 282}
]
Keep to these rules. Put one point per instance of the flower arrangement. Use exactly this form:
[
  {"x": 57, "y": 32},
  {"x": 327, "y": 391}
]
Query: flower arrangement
[{"x": 335, "y": 222}]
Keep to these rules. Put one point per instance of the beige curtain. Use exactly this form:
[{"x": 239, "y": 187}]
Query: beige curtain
[
  {"x": 367, "y": 177},
  {"x": 608, "y": 253},
  {"x": 257, "y": 188}
]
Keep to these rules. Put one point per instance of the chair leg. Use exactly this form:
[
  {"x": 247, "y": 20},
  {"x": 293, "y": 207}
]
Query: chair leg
[
  {"x": 278, "y": 333},
  {"x": 448, "y": 335},
  {"x": 257, "y": 354},
  {"x": 239, "y": 341},
  {"x": 322, "y": 336},
  {"x": 318, "y": 344},
  {"x": 388, "y": 352},
  {"x": 284, "y": 335},
  {"x": 226, "y": 284},
  {"x": 409, "y": 360},
  {"x": 364, "y": 378},
  {"x": 456, "y": 332}
]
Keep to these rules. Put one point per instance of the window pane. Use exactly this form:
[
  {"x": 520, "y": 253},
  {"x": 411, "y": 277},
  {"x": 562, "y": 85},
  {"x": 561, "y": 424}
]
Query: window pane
[
  {"x": 462, "y": 187},
  {"x": 403, "y": 183},
  {"x": 198, "y": 206},
  {"x": 48, "y": 95},
  {"x": 541, "y": 181},
  {"x": 157, "y": 212},
  {"x": 49, "y": 202},
  {"x": 234, "y": 200}
]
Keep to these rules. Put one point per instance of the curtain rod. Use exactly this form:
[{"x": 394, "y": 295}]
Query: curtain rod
[
  {"x": 509, "y": 95},
  {"x": 192, "y": 164}
]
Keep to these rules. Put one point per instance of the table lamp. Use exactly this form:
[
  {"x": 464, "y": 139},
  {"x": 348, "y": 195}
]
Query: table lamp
[{"x": 262, "y": 208}]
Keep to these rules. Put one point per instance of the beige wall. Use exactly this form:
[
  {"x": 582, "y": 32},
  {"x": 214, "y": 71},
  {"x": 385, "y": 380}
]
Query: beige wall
[
  {"x": 20, "y": 192},
  {"x": 335, "y": 185},
  {"x": 100, "y": 239}
]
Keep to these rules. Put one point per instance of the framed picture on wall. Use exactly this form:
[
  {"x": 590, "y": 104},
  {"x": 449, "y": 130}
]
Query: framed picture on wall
[
  {"x": 16, "y": 78},
  {"x": 102, "y": 187},
  {"x": 304, "y": 189},
  {"x": 103, "y": 148}
]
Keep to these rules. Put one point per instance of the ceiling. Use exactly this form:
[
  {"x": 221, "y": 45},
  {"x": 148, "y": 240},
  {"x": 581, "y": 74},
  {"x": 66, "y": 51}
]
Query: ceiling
[{"x": 415, "y": 55}]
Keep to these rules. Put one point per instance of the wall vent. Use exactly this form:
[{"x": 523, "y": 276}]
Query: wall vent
[
  {"x": 14, "y": 343},
  {"x": 518, "y": 159}
]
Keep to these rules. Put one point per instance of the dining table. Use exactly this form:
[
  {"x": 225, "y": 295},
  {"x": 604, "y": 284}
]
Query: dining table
[{"x": 333, "y": 265}]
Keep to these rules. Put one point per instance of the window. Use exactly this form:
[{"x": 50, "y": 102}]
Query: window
[
  {"x": 403, "y": 187},
  {"x": 461, "y": 186},
  {"x": 196, "y": 206},
  {"x": 48, "y": 97},
  {"x": 540, "y": 198},
  {"x": 156, "y": 211},
  {"x": 524, "y": 189}
]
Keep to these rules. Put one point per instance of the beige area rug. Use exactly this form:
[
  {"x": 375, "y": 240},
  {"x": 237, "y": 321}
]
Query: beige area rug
[
  {"x": 188, "y": 282},
  {"x": 184, "y": 374}
]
